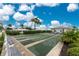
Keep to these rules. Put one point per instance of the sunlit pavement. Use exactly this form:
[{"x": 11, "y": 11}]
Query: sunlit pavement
[{"x": 12, "y": 50}]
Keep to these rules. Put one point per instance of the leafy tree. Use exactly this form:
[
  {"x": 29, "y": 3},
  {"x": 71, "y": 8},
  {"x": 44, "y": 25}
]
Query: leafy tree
[{"x": 22, "y": 26}]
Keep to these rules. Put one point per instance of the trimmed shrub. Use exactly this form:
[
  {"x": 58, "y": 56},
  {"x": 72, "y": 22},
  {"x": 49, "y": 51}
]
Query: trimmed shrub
[
  {"x": 73, "y": 51},
  {"x": 12, "y": 32}
]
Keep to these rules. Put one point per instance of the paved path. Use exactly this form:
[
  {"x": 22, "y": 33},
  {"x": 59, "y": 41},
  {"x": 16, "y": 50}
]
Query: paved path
[
  {"x": 56, "y": 50},
  {"x": 12, "y": 50}
]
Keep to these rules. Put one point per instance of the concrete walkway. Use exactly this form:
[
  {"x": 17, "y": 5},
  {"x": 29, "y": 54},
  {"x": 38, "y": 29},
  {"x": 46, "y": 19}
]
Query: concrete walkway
[
  {"x": 12, "y": 50},
  {"x": 56, "y": 50}
]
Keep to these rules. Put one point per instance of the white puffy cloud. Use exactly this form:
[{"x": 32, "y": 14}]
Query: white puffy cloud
[
  {"x": 8, "y": 9},
  {"x": 28, "y": 24},
  {"x": 55, "y": 23},
  {"x": 38, "y": 4},
  {"x": 32, "y": 7},
  {"x": 6, "y": 18},
  {"x": 5, "y": 26},
  {"x": 18, "y": 16},
  {"x": 13, "y": 26},
  {"x": 24, "y": 7},
  {"x": 40, "y": 19},
  {"x": 66, "y": 24},
  {"x": 25, "y": 24},
  {"x": 17, "y": 23},
  {"x": 1, "y": 5},
  {"x": 1, "y": 12},
  {"x": 50, "y": 26},
  {"x": 72, "y": 7},
  {"x": 47, "y": 4},
  {"x": 29, "y": 16},
  {"x": 5, "y": 11},
  {"x": 42, "y": 27}
]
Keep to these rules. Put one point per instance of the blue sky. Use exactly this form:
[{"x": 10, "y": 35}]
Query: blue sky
[{"x": 48, "y": 13}]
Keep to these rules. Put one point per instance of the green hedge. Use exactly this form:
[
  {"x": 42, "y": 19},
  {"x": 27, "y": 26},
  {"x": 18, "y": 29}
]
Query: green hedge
[
  {"x": 12, "y": 32},
  {"x": 37, "y": 31},
  {"x": 73, "y": 51}
]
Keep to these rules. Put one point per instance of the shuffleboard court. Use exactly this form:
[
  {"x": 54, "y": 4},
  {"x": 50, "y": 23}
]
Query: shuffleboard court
[
  {"x": 43, "y": 48},
  {"x": 30, "y": 38}
]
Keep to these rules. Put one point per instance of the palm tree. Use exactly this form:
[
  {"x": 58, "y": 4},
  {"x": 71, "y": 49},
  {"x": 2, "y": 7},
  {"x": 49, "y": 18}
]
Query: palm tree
[
  {"x": 22, "y": 26},
  {"x": 36, "y": 21}
]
